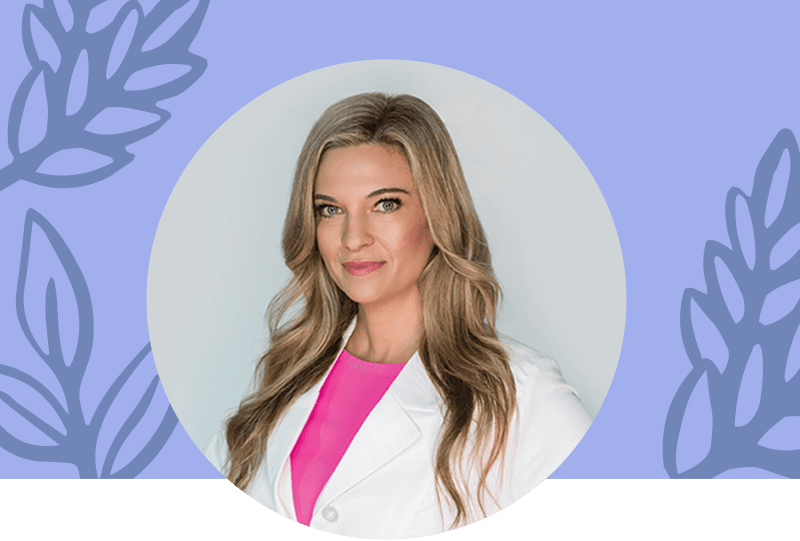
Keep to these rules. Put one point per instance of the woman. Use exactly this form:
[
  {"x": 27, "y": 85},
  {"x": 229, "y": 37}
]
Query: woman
[{"x": 388, "y": 406}]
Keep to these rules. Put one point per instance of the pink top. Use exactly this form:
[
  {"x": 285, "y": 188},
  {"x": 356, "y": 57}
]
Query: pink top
[{"x": 348, "y": 395}]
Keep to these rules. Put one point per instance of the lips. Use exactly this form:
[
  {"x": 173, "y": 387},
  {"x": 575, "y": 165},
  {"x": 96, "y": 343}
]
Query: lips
[{"x": 361, "y": 268}]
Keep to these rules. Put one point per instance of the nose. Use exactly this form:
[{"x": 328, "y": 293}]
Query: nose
[{"x": 356, "y": 233}]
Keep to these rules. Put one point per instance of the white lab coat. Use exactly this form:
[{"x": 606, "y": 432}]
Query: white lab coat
[{"x": 383, "y": 488}]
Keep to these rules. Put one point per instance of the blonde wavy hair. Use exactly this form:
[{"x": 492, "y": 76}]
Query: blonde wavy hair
[{"x": 459, "y": 347}]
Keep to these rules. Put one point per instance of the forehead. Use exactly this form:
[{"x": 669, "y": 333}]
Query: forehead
[{"x": 362, "y": 168}]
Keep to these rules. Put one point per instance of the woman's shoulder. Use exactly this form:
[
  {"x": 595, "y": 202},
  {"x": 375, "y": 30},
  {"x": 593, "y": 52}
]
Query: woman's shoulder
[
  {"x": 217, "y": 451},
  {"x": 541, "y": 385},
  {"x": 526, "y": 362},
  {"x": 551, "y": 419}
]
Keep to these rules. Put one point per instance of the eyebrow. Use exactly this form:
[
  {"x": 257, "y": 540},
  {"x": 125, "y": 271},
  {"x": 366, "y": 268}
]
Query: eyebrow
[{"x": 373, "y": 194}]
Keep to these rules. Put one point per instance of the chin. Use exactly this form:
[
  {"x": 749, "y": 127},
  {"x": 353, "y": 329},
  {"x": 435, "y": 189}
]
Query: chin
[{"x": 362, "y": 297}]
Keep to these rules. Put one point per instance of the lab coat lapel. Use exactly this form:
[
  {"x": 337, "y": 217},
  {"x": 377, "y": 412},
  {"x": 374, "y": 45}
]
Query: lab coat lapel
[
  {"x": 285, "y": 434},
  {"x": 389, "y": 429},
  {"x": 385, "y": 433}
]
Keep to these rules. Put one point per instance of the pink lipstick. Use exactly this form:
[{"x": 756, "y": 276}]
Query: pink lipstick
[{"x": 362, "y": 268}]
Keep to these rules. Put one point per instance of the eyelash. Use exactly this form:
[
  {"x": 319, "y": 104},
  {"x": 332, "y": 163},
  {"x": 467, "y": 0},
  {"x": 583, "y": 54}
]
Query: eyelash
[{"x": 321, "y": 208}]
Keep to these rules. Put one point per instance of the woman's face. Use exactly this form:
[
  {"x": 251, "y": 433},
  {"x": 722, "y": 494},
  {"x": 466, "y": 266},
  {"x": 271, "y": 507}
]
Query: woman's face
[{"x": 371, "y": 229}]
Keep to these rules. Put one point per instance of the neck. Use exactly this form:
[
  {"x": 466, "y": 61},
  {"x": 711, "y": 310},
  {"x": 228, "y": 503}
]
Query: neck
[{"x": 387, "y": 332}]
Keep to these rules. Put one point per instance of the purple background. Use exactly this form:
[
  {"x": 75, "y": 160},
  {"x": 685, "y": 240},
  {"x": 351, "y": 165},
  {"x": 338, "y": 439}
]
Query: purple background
[{"x": 668, "y": 106}]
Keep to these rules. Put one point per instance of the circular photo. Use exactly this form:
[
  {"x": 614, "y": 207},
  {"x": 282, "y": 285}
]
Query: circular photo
[{"x": 386, "y": 299}]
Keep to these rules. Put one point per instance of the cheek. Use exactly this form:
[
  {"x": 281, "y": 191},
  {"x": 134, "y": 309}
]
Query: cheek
[
  {"x": 417, "y": 238},
  {"x": 326, "y": 242}
]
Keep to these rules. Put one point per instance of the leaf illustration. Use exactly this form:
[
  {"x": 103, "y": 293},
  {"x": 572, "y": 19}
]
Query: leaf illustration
[
  {"x": 54, "y": 357},
  {"x": 74, "y": 161},
  {"x": 730, "y": 290},
  {"x": 155, "y": 76},
  {"x": 102, "y": 15},
  {"x": 36, "y": 387},
  {"x": 688, "y": 428},
  {"x": 112, "y": 120},
  {"x": 786, "y": 248},
  {"x": 784, "y": 436},
  {"x": 171, "y": 25},
  {"x": 750, "y": 389},
  {"x": 70, "y": 438},
  {"x": 33, "y": 408},
  {"x": 98, "y": 59},
  {"x": 63, "y": 10},
  {"x": 701, "y": 338},
  {"x": 777, "y": 190},
  {"x": 76, "y": 95},
  {"x": 751, "y": 302},
  {"x": 133, "y": 417},
  {"x": 694, "y": 441},
  {"x": 160, "y": 22},
  {"x": 122, "y": 42},
  {"x": 780, "y": 302},
  {"x": 793, "y": 357},
  {"x": 37, "y": 40},
  {"x": 27, "y": 121},
  {"x": 748, "y": 473},
  {"x": 740, "y": 226}
]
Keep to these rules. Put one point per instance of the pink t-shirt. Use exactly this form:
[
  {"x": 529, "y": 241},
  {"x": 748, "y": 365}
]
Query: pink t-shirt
[{"x": 348, "y": 395}]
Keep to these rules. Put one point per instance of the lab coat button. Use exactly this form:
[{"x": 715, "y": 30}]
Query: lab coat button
[{"x": 330, "y": 514}]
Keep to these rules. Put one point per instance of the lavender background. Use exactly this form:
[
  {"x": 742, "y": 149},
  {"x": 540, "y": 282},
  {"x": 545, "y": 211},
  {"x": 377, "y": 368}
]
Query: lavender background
[{"x": 668, "y": 106}]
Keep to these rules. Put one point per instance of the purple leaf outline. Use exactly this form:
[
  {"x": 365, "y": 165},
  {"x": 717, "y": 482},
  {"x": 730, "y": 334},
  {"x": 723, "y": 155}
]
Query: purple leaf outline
[
  {"x": 69, "y": 131},
  {"x": 80, "y": 442},
  {"x": 732, "y": 446},
  {"x": 176, "y": 23}
]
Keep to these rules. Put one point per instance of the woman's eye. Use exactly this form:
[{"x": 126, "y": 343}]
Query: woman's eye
[
  {"x": 327, "y": 211},
  {"x": 388, "y": 205}
]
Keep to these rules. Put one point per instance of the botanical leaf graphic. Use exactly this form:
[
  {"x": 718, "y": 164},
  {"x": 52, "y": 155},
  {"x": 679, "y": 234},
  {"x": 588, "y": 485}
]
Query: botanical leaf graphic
[
  {"x": 750, "y": 388},
  {"x": 780, "y": 302},
  {"x": 777, "y": 190},
  {"x": 37, "y": 40},
  {"x": 78, "y": 445},
  {"x": 78, "y": 84},
  {"x": 793, "y": 357},
  {"x": 122, "y": 42},
  {"x": 102, "y": 15},
  {"x": 54, "y": 356},
  {"x": 113, "y": 120},
  {"x": 73, "y": 161},
  {"x": 64, "y": 12},
  {"x": 171, "y": 25},
  {"x": 748, "y": 473},
  {"x": 155, "y": 76},
  {"x": 37, "y": 387},
  {"x": 69, "y": 124},
  {"x": 701, "y": 337},
  {"x": 694, "y": 441},
  {"x": 695, "y": 436},
  {"x": 740, "y": 226},
  {"x": 784, "y": 436},
  {"x": 131, "y": 399},
  {"x": 23, "y": 399},
  {"x": 752, "y": 302},
  {"x": 730, "y": 290},
  {"x": 88, "y": 80},
  {"x": 168, "y": 15},
  {"x": 27, "y": 121},
  {"x": 786, "y": 248}
]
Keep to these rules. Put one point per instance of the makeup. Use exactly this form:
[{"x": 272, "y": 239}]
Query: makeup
[{"x": 362, "y": 268}]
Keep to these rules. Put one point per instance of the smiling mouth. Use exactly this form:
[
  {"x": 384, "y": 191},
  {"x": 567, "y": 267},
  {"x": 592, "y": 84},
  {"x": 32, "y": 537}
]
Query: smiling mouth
[{"x": 361, "y": 268}]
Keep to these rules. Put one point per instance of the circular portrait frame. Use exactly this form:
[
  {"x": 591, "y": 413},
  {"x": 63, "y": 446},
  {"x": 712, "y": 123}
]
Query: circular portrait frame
[{"x": 216, "y": 260}]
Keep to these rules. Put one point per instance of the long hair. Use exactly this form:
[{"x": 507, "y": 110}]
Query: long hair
[{"x": 459, "y": 347}]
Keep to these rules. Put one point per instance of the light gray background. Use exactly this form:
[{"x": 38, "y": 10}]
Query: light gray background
[{"x": 216, "y": 260}]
